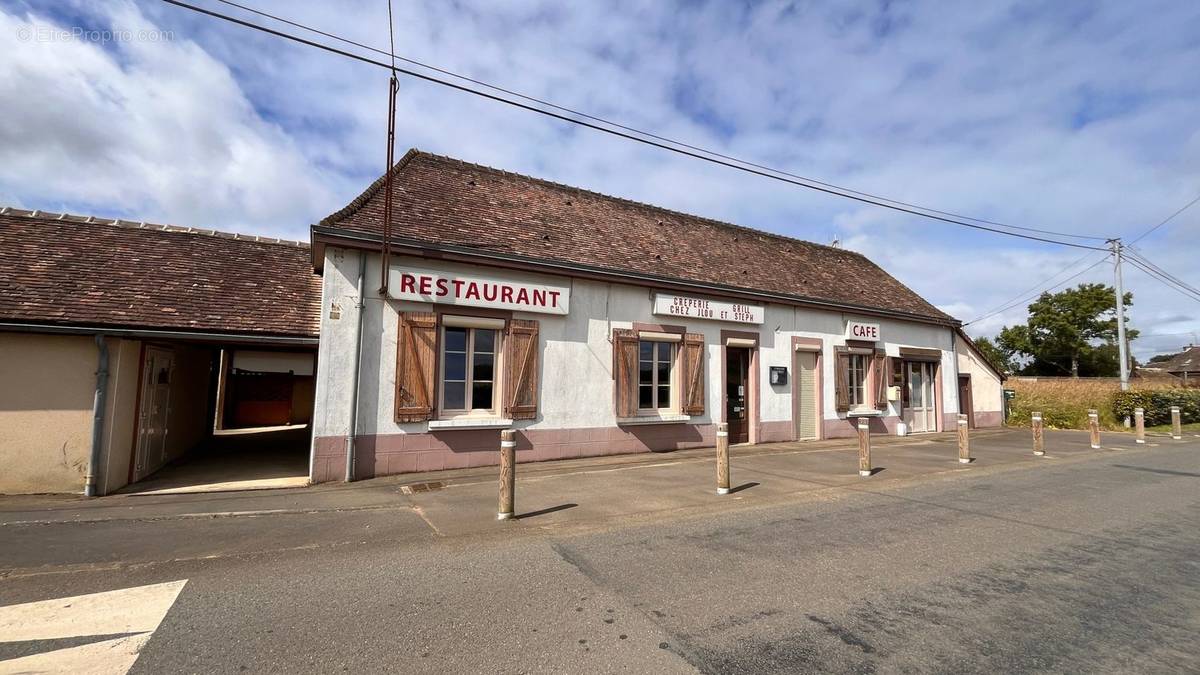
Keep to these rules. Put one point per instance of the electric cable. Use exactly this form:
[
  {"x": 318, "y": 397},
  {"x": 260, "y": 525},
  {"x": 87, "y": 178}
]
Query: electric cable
[{"x": 645, "y": 141}]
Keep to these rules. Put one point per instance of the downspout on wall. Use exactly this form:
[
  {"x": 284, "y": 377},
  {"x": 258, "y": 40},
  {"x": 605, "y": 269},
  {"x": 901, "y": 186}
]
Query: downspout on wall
[
  {"x": 98, "y": 408},
  {"x": 354, "y": 378}
]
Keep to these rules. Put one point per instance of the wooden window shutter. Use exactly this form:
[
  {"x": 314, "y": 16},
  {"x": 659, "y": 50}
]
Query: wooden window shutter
[
  {"x": 841, "y": 380},
  {"x": 521, "y": 351},
  {"x": 882, "y": 377},
  {"x": 625, "y": 371},
  {"x": 693, "y": 374},
  {"x": 416, "y": 361}
]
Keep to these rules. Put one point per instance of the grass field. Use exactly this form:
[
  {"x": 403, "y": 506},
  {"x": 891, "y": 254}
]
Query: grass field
[{"x": 1064, "y": 403}]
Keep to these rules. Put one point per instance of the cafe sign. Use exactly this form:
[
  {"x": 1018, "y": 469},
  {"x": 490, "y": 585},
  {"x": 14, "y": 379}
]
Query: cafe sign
[
  {"x": 857, "y": 330},
  {"x": 669, "y": 304},
  {"x": 449, "y": 288}
]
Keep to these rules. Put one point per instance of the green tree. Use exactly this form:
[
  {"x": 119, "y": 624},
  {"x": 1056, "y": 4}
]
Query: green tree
[
  {"x": 1072, "y": 332},
  {"x": 996, "y": 356}
]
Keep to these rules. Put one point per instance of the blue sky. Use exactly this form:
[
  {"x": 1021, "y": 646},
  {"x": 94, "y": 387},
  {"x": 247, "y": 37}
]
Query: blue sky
[{"x": 1072, "y": 116}]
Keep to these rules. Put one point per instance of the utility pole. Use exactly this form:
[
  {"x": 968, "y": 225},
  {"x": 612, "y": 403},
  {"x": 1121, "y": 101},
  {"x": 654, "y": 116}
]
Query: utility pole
[{"x": 1122, "y": 347}]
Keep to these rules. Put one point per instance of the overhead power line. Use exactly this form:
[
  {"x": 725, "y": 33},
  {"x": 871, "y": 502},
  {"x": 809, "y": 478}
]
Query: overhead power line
[
  {"x": 1027, "y": 298},
  {"x": 1182, "y": 290},
  {"x": 1167, "y": 220},
  {"x": 628, "y": 132},
  {"x": 1141, "y": 257}
]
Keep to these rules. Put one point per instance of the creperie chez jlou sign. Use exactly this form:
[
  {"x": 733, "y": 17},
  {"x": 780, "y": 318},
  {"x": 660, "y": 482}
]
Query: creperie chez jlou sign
[
  {"x": 857, "y": 330},
  {"x": 418, "y": 285},
  {"x": 703, "y": 308}
]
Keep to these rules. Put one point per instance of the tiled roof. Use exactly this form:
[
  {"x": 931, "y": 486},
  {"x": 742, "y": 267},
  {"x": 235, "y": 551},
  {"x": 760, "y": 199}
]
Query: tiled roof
[
  {"x": 443, "y": 201},
  {"x": 72, "y": 270},
  {"x": 1186, "y": 362}
]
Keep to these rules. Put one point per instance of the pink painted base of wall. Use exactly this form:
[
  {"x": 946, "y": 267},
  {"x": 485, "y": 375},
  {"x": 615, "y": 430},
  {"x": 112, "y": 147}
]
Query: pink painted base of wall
[
  {"x": 989, "y": 419},
  {"x": 460, "y": 449},
  {"x": 848, "y": 428}
]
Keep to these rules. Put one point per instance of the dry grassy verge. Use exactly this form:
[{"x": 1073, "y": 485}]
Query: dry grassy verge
[{"x": 1064, "y": 402}]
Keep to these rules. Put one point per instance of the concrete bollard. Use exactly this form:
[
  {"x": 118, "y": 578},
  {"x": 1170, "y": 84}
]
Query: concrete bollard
[
  {"x": 1139, "y": 424},
  {"x": 1039, "y": 443},
  {"x": 722, "y": 459},
  {"x": 508, "y": 474},
  {"x": 864, "y": 448},
  {"x": 1094, "y": 427},
  {"x": 1176, "y": 424},
  {"x": 964, "y": 441}
]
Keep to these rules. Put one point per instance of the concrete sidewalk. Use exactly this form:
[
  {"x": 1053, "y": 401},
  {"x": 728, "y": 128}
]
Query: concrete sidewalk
[{"x": 592, "y": 492}]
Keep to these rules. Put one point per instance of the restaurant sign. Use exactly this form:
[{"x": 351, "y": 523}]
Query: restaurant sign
[
  {"x": 857, "y": 330},
  {"x": 448, "y": 288},
  {"x": 700, "y": 308}
]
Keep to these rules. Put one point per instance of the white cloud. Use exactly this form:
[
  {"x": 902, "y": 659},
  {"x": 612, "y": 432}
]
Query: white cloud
[{"x": 1071, "y": 117}]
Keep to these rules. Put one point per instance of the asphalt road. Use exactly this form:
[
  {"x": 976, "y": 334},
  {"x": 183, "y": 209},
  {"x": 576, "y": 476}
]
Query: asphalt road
[{"x": 1092, "y": 566}]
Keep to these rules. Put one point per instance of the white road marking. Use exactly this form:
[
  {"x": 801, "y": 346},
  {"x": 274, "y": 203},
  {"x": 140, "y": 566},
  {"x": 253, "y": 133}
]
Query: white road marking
[{"x": 137, "y": 610}]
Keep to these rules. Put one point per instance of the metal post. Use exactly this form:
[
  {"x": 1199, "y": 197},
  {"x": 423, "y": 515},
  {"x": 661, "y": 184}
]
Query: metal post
[
  {"x": 864, "y": 448},
  {"x": 508, "y": 474},
  {"x": 1139, "y": 423},
  {"x": 1176, "y": 424},
  {"x": 1094, "y": 427},
  {"x": 1122, "y": 348},
  {"x": 964, "y": 442},
  {"x": 1039, "y": 443},
  {"x": 722, "y": 459}
]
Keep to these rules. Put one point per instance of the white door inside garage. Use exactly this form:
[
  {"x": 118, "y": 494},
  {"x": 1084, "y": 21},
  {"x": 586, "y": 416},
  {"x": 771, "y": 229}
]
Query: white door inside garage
[{"x": 154, "y": 411}]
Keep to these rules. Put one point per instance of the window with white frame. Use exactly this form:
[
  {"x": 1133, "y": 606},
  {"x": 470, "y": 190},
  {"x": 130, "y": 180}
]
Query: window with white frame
[
  {"x": 857, "y": 380},
  {"x": 655, "y": 361},
  {"x": 468, "y": 382}
]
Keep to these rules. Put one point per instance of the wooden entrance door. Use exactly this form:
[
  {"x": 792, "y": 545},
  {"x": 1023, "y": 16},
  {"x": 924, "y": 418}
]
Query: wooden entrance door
[
  {"x": 919, "y": 412},
  {"x": 737, "y": 390},
  {"x": 804, "y": 396},
  {"x": 965, "y": 404},
  {"x": 154, "y": 413}
]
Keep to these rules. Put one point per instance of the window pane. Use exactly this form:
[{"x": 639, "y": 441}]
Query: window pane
[
  {"x": 664, "y": 351},
  {"x": 485, "y": 341},
  {"x": 484, "y": 366},
  {"x": 646, "y": 350},
  {"x": 455, "y": 395},
  {"x": 664, "y": 397},
  {"x": 645, "y": 396},
  {"x": 481, "y": 395},
  {"x": 456, "y": 339},
  {"x": 664, "y": 373},
  {"x": 456, "y": 366},
  {"x": 645, "y": 372}
]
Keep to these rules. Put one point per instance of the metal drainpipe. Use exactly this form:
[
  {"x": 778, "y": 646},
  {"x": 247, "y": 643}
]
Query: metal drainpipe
[
  {"x": 358, "y": 339},
  {"x": 98, "y": 405}
]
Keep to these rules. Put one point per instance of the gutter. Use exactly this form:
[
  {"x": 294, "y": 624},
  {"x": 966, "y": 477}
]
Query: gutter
[
  {"x": 354, "y": 377},
  {"x": 23, "y": 327},
  {"x": 98, "y": 408},
  {"x": 419, "y": 248}
]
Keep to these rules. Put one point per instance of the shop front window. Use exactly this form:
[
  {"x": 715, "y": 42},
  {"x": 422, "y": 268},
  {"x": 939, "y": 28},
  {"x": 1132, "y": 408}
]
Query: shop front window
[
  {"x": 654, "y": 375},
  {"x": 468, "y": 370},
  {"x": 857, "y": 380}
]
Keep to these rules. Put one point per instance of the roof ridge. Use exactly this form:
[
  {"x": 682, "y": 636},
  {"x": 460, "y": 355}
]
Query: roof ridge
[
  {"x": 144, "y": 225},
  {"x": 413, "y": 153}
]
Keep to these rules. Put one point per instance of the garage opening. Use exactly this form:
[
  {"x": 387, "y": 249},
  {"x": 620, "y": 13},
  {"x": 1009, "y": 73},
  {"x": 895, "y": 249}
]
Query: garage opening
[{"x": 221, "y": 418}]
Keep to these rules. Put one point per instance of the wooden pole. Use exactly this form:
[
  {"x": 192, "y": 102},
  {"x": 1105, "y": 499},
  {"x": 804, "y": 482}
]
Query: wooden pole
[
  {"x": 1039, "y": 443},
  {"x": 722, "y": 459},
  {"x": 964, "y": 442},
  {"x": 1094, "y": 426},
  {"x": 1176, "y": 424},
  {"x": 864, "y": 447},
  {"x": 1139, "y": 423},
  {"x": 508, "y": 474}
]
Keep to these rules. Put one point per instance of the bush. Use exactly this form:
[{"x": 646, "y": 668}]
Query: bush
[{"x": 1157, "y": 404}]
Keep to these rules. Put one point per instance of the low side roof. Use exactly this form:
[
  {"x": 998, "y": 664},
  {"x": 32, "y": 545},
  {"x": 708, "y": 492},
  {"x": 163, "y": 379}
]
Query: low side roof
[
  {"x": 443, "y": 201},
  {"x": 1186, "y": 362},
  {"x": 76, "y": 271}
]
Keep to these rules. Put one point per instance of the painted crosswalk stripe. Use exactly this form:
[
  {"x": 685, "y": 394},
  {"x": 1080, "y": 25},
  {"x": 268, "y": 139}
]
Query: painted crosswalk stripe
[{"x": 119, "y": 623}]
